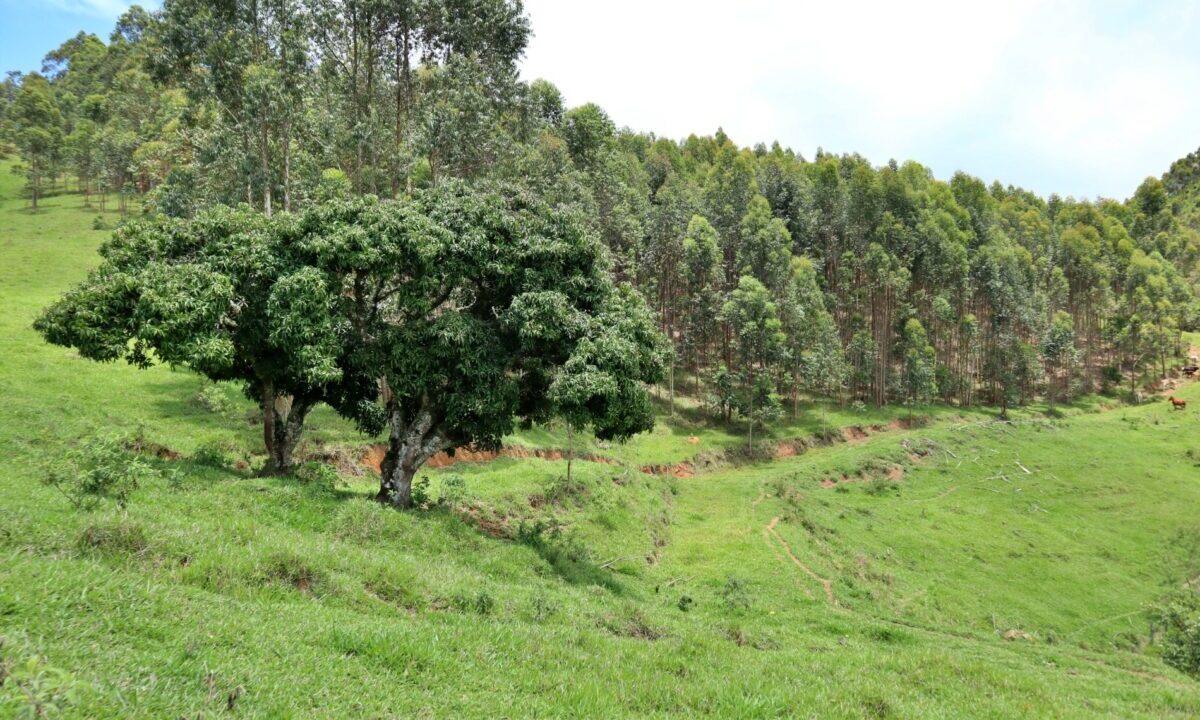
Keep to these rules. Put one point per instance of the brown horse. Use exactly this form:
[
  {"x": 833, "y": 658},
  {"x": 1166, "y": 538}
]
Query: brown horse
[{"x": 1179, "y": 404}]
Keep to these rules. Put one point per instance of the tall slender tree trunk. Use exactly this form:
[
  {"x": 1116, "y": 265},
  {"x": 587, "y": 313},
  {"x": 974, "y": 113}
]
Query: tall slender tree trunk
[
  {"x": 287, "y": 169},
  {"x": 750, "y": 415},
  {"x": 266, "y": 168},
  {"x": 35, "y": 184},
  {"x": 671, "y": 382},
  {"x": 570, "y": 450}
]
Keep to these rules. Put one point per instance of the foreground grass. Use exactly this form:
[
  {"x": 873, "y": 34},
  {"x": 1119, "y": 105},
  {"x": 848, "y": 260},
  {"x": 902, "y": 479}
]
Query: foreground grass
[{"x": 617, "y": 594}]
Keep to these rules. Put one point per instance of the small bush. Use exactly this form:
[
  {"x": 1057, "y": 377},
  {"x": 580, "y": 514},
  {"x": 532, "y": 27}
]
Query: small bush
[
  {"x": 560, "y": 489},
  {"x": 1179, "y": 616},
  {"x": 685, "y": 603},
  {"x": 99, "y": 223},
  {"x": 213, "y": 398},
  {"x": 216, "y": 453},
  {"x": 318, "y": 474},
  {"x": 420, "y": 492},
  {"x": 98, "y": 469},
  {"x": 453, "y": 491},
  {"x": 30, "y": 687},
  {"x": 735, "y": 593}
]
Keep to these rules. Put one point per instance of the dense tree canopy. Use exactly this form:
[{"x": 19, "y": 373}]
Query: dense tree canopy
[{"x": 471, "y": 311}]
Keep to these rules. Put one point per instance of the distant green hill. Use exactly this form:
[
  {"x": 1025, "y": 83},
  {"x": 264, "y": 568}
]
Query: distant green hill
[{"x": 963, "y": 568}]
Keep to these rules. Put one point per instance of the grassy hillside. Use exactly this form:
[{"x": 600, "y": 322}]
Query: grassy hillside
[{"x": 962, "y": 568}]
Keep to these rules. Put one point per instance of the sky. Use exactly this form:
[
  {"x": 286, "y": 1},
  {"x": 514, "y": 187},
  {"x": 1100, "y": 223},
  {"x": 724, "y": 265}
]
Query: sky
[{"x": 1080, "y": 97}]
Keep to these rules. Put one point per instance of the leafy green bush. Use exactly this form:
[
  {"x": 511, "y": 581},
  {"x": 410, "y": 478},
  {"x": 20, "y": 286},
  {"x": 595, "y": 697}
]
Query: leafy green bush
[
  {"x": 1179, "y": 617},
  {"x": 29, "y": 686},
  {"x": 735, "y": 593},
  {"x": 453, "y": 491},
  {"x": 420, "y": 492},
  {"x": 96, "y": 469},
  {"x": 216, "y": 453},
  {"x": 215, "y": 399},
  {"x": 318, "y": 474}
]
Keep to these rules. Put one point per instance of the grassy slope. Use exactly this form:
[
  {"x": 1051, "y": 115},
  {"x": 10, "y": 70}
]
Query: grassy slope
[{"x": 317, "y": 603}]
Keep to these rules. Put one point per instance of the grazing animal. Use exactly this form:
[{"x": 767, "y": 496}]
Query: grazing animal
[{"x": 1179, "y": 404}]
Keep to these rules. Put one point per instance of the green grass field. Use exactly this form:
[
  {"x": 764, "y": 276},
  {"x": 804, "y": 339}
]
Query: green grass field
[{"x": 958, "y": 569}]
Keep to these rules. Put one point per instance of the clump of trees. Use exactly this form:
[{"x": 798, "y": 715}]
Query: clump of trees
[
  {"x": 775, "y": 277},
  {"x": 441, "y": 319}
]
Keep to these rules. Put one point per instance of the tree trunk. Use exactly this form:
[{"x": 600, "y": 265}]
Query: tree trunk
[
  {"x": 410, "y": 444},
  {"x": 266, "y": 169},
  {"x": 751, "y": 414},
  {"x": 283, "y": 424},
  {"x": 570, "y": 450},
  {"x": 268, "y": 418},
  {"x": 671, "y": 381},
  {"x": 35, "y": 184}
]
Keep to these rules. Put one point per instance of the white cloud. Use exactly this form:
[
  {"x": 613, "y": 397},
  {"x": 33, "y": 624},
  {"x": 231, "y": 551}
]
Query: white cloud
[{"x": 1077, "y": 97}]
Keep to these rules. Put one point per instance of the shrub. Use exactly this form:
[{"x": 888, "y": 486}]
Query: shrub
[
  {"x": 216, "y": 453},
  {"x": 30, "y": 687},
  {"x": 96, "y": 469},
  {"x": 735, "y": 593},
  {"x": 1179, "y": 616},
  {"x": 453, "y": 491},
  {"x": 420, "y": 492},
  {"x": 562, "y": 488},
  {"x": 318, "y": 474},
  {"x": 99, "y": 223},
  {"x": 213, "y": 398}
]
